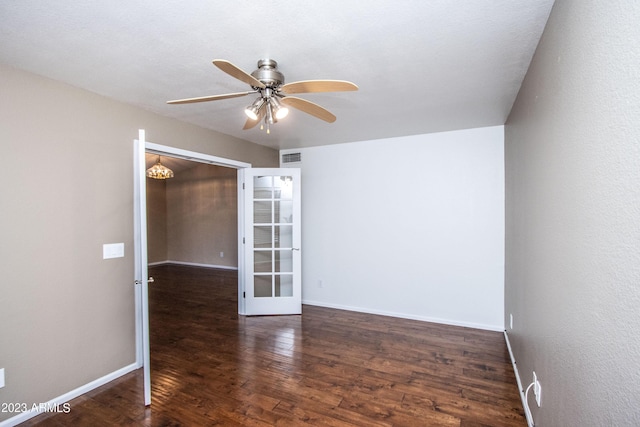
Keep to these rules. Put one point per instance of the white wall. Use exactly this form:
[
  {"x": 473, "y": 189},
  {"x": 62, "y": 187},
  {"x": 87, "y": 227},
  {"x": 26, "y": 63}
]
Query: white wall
[{"x": 411, "y": 227}]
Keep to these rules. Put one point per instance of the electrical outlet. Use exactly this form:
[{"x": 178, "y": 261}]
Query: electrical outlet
[
  {"x": 221, "y": 254},
  {"x": 1, "y": 377},
  {"x": 510, "y": 321},
  {"x": 537, "y": 389}
]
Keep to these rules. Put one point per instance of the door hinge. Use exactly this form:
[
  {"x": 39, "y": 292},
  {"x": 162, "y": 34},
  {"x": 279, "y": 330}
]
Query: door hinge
[
  {"x": 243, "y": 185},
  {"x": 243, "y": 240},
  {"x": 244, "y": 295}
]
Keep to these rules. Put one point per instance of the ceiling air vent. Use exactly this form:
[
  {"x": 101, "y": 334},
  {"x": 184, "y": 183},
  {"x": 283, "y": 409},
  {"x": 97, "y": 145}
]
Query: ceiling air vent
[{"x": 291, "y": 158}]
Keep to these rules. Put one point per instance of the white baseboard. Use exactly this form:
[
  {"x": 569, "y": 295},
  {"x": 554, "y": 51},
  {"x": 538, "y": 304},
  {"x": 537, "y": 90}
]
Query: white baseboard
[
  {"x": 520, "y": 388},
  {"x": 191, "y": 264},
  {"x": 406, "y": 316},
  {"x": 61, "y": 400}
]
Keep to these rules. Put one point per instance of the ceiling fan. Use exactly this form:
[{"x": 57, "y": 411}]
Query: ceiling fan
[{"x": 273, "y": 94}]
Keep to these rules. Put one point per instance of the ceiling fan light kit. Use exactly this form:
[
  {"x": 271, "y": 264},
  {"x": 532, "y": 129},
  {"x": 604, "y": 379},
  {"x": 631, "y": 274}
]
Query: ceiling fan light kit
[
  {"x": 252, "y": 110},
  {"x": 273, "y": 94},
  {"x": 280, "y": 111}
]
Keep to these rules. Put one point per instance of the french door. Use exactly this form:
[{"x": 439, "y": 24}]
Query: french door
[{"x": 272, "y": 259}]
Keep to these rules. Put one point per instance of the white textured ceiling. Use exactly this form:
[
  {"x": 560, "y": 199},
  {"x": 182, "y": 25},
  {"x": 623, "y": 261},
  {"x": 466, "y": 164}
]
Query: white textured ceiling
[{"x": 422, "y": 66}]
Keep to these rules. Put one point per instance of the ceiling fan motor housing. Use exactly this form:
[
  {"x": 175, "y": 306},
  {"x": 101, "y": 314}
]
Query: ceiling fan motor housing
[{"x": 268, "y": 74}]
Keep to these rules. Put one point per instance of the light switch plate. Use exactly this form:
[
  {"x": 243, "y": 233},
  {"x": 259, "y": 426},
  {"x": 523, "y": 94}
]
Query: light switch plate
[
  {"x": 112, "y": 250},
  {"x": 1, "y": 377}
]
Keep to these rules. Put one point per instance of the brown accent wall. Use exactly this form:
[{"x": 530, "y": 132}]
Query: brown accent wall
[
  {"x": 156, "y": 220},
  {"x": 193, "y": 217}
]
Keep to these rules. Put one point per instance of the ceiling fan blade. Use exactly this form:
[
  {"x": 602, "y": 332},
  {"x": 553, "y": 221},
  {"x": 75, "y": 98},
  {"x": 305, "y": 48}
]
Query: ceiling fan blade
[
  {"x": 210, "y": 98},
  {"x": 238, "y": 73},
  {"x": 309, "y": 108},
  {"x": 309, "y": 86}
]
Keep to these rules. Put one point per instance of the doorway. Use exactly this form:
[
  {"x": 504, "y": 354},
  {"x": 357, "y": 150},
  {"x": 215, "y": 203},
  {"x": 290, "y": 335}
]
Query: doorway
[
  {"x": 268, "y": 236},
  {"x": 141, "y": 147}
]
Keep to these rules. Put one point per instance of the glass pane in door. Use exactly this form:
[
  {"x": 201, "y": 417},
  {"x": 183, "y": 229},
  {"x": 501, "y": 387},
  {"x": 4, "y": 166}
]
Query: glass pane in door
[
  {"x": 262, "y": 236},
  {"x": 283, "y": 261},
  {"x": 262, "y": 212},
  {"x": 262, "y": 187},
  {"x": 284, "y": 285},
  {"x": 262, "y": 286},
  {"x": 283, "y": 236},
  {"x": 283, "y": 187},
  {"x": 283, "y": 211},
  {"x": 262, "y": 261}
]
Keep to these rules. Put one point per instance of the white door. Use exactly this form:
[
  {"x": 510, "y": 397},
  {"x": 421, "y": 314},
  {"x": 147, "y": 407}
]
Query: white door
[
  {"x": 272, "y": 259},
  {"x": 141, "y": 271}
]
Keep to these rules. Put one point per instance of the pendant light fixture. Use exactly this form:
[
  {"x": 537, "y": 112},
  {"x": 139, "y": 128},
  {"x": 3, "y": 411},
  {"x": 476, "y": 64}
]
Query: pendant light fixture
[{"x": 159, "y": 171}]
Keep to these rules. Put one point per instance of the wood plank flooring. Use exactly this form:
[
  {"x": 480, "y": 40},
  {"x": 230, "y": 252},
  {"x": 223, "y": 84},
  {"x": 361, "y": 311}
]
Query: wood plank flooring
[{"x": 326, "y": 368}]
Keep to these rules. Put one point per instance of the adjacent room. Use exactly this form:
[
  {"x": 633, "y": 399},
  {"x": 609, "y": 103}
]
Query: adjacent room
[{"x": 453, "y": 199}]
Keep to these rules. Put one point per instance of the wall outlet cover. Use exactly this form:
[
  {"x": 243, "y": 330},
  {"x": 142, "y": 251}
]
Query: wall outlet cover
[{"x": 537, "y": 389}]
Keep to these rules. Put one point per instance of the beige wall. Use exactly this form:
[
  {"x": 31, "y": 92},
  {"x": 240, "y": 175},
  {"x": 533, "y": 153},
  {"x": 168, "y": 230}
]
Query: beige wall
[
  {"x": 193, "y": 217},
  {"x": 573, "y": 217},
  {"x": 67, "y": 315}
]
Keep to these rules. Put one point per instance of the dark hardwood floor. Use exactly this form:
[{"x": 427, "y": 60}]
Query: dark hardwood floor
[{"x": 327, "y": 367}]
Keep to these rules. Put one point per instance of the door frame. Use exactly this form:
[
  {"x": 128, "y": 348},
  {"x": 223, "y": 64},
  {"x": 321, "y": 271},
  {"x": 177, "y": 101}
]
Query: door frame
[{"x": 141, "y": 300}]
